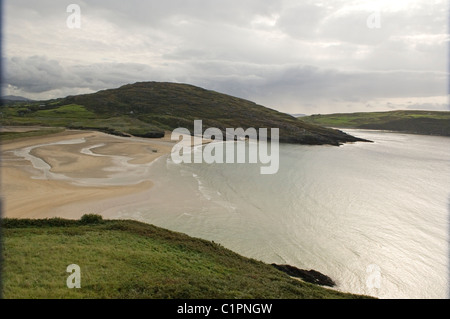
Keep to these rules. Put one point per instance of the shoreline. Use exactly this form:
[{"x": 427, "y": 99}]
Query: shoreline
[{"x": 50, "y": 191}]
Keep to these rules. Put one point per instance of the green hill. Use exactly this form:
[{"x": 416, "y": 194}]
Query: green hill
[
  {"x": 149, "y": 108},
  {"x": 419, "y": 122},
  {"x": 129, "y": 259}
]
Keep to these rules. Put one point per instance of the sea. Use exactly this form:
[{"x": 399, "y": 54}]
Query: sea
[{"x": 372, "y": 216}]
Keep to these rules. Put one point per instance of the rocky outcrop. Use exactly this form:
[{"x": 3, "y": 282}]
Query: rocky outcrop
[{"x": 311, "y": 276}]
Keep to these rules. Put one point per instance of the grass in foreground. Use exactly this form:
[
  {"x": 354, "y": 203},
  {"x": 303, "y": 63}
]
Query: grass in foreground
[{"x": 129, "y": 259}]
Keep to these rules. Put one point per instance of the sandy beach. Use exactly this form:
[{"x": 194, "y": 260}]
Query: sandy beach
[{"x": 41, "y": 175}]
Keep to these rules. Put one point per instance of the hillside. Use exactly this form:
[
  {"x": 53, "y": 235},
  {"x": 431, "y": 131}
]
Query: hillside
[
  {"x": 129, "y": 259},
  {"x": 418, "y": 122},
  {"x": 148, "y": 109},
  {"x": 14, "y": 98}
]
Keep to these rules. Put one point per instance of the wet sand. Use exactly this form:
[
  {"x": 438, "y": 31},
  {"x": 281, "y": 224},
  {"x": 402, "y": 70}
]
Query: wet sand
[{"x": 28, "y": 193}]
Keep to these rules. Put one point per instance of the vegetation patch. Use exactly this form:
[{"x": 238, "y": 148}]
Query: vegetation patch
[
  {"x": 6, "y": 136},
  {"x": 129, "y": 259},
  {"x": 419, "y": 122}
]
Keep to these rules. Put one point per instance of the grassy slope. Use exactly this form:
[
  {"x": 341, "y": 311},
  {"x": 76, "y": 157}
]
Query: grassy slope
[
  {"x": 6, "y": 136},
  {"x": 420, "y": 122},
  {"x": 128, "y": 259},
  {"x": 150, "y": 108}
]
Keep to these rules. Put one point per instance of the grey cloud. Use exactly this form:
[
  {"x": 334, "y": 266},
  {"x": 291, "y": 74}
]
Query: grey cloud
[
  {"x": 34, "y": 74},
  {"x": 310, "y": 56},
  {"x": 38, "y": 74},
  {"x": 299, "y": 83},
  {"x": 310, "y": 81},
  {"x": 302, "y": 20},
  {"x": 428, "y": 106}
]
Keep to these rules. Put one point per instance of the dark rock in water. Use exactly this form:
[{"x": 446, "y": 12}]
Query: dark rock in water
[{"x": 311, "y": 276}]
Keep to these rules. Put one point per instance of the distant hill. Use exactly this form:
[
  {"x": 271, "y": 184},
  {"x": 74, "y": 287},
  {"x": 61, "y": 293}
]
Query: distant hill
[
  {"x": 298, "y": 115},
  {"x": 149, "y": 108},
  {"x": 14, "y": 98},
  {"x": 418, "y": 122}
]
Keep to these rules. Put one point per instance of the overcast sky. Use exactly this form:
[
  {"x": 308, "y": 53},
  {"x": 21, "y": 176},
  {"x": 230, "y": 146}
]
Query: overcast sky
[{"x": 291, "y": 55}]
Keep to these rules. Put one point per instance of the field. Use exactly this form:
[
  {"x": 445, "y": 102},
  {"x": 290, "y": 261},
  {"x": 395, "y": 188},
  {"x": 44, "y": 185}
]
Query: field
[
  {"x": 75, "y": 116},
  {"x": 420, "y": 122},
  {"x": 9, "y": 135}
]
